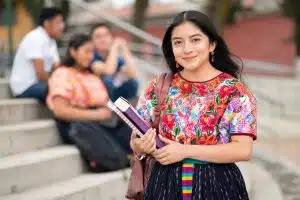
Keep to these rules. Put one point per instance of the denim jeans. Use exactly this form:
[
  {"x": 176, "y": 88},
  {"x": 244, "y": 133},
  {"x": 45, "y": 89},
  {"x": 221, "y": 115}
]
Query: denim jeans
[
  {"x": 127, "y": 90},
  {"x": 37, "y": 91}
]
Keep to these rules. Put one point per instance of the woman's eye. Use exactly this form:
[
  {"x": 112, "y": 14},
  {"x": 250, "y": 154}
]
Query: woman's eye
[
  {"x": 177, "y": 43},
  {"x": 195, "y": 40}
]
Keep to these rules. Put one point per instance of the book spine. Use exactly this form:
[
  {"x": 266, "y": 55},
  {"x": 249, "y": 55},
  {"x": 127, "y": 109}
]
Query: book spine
[
  {"x": 136, "y": 119},
  {"x": 134, "y": 127}
]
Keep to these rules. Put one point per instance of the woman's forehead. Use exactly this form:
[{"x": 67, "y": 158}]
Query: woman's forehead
[{"x": 186, "y": 29}]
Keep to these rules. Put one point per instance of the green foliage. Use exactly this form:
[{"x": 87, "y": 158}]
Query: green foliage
[
  {"x": 291, "y": 9},
  {"x": 35, "y": 6}
]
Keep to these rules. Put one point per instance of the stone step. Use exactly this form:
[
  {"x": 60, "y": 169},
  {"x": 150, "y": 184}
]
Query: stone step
[
  {"x": 28, "y": 136},
  {"x": 4, "y": 89},
  {"x": 32, "y": 169},
  {"x": 287, "y": 148},
  {"x": 283, "y": 170},
  {"x": 279, "y": 127},
  {"x": 18, "y": 110},
  {"x": 93, "y": 186},
  {"x": 245, "y": 169},
  {"x": 104, "y": 186},
  {"x": 263, "y": 185}
]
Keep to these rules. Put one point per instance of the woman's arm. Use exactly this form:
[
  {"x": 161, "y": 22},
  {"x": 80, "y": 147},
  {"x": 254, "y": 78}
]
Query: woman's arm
[
  {"x": 65, "y": 111},
  {"x": 129, "y": 69},
  {"x": 240, "y": 149},
  {"x": 108, "y": 67}
]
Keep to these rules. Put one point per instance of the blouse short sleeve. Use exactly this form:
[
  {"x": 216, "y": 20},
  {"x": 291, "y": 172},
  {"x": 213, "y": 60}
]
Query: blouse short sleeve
[
  {"x": 59, "y": 84},
  {"x": 147, "y": 103},
  {"x": 240, "y": 115}
]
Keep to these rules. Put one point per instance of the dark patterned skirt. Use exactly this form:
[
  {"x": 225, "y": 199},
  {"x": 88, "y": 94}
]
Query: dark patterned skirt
[{"x": 209, "y": 182}]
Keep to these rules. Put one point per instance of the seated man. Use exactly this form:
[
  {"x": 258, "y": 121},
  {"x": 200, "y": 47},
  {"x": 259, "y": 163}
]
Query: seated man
[
  {"x": 36, "y": 56},
  {"x": 114, "y": 63}
]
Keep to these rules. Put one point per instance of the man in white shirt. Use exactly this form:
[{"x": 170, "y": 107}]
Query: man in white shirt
[{"x": 36, "y": 56}]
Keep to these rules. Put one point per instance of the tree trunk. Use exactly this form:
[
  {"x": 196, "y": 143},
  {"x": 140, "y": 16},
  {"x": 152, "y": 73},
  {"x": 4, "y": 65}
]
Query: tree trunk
[
  {"x": 297, "y": 44},
  {"x": 218, "y": 11},
  {"x": 34, "y": 7},
  {"x": 139, "y": 15}
]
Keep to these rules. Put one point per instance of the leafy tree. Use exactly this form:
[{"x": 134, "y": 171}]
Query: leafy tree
[
  {"x": 35, "y": 6},
  {"x": 291, "y": 9},
  {"x": 139, "y": 15}
]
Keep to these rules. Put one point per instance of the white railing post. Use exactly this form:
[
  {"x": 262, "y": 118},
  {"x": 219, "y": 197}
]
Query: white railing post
[{"x": 119, "y": 23}]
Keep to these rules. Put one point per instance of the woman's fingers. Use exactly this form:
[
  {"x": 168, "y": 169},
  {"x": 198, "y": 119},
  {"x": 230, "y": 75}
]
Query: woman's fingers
[
  {"x": 160, "y": 154},
  {"x": 145, "y": 144},
  {"x": 148, "y": 142}
]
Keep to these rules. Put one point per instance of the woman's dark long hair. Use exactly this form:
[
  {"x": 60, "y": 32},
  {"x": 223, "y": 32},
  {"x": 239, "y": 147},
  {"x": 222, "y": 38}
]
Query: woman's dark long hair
[
  {"x": 222, "y": 59},
  {"x": 75, "y": 42}
]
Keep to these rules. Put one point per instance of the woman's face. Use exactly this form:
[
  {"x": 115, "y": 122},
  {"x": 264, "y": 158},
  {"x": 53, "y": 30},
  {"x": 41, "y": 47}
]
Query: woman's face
[
  {"x": 191, "y": 47},
  {"x": 83, "y": 55}
]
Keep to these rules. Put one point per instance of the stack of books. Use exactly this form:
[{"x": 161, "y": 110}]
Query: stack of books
[{"x": 130, "y": 116}]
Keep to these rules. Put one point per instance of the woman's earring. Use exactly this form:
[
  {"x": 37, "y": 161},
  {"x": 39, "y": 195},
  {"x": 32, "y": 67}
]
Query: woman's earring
[
  {"x": 213, "y": 56},
  {"x": 177, "y": 65}
]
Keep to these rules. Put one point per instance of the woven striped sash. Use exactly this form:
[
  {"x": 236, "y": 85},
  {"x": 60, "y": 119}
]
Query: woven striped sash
[{"x": 187, "y": 177}]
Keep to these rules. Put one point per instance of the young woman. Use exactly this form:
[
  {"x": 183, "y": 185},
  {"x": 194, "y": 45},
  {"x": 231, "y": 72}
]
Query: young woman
[
  {"x": 208, "y": 121},
  {"x": 76, "y": 96}
]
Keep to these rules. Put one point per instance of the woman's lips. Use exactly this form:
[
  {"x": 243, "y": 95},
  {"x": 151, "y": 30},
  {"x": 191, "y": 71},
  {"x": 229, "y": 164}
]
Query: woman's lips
[{"x": 189, "y": 58}]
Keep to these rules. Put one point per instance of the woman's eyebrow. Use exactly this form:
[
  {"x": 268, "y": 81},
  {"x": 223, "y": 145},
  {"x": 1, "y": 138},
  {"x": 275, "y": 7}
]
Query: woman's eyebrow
[
  {"x": 176, "y": 38},
  {"x": 198, "y": 34},
  {"x": 179, "y": 38}
]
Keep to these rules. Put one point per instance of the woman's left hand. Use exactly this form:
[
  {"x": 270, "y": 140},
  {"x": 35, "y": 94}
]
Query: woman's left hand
[{"x": 171, "y": 153}]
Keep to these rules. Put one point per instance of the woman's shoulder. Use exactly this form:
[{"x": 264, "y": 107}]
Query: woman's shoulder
[
  {"x": 239, "y": 87},
  {"x": 62, "y": 70}
]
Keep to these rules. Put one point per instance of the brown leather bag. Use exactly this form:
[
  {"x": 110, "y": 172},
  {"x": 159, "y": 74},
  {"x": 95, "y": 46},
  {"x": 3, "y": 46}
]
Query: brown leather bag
[{"x": 141, "y": 169}]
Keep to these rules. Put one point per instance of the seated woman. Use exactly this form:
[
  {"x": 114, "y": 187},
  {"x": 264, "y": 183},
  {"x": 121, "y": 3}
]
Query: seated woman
[{"x": 77, "y": 99}]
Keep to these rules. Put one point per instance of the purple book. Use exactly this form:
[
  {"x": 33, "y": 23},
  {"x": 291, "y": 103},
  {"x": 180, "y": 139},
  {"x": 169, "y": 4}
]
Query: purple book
[{"x": 131, "y": 114}]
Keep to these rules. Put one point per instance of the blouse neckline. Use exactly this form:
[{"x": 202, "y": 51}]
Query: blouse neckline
[{"x": 213, "y": 78}]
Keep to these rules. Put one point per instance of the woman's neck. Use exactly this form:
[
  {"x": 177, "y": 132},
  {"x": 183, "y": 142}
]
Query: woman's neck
[
  {"x": 103, "y": 54},
  {"x": 202, "y": 73},
  {"x": 79, "y": 68}
]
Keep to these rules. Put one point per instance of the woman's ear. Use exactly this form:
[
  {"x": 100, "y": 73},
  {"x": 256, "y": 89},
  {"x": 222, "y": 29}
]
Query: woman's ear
[
  {"x": 212, "y": 46},
  {"x": 73, "y": 52}
]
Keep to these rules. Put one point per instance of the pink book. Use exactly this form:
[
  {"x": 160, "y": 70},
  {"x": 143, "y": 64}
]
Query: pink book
[{"x": 130, "y": 116}]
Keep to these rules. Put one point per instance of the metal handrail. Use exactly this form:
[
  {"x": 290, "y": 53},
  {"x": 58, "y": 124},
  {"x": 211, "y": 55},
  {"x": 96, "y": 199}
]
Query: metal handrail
[
  {"x": 119, "y": 23},
  {"x": 151, "y": 39}
]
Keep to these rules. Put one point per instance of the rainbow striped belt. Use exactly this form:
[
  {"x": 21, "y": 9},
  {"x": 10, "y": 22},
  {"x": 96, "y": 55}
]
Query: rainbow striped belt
[{"x": 187, "y": 177}]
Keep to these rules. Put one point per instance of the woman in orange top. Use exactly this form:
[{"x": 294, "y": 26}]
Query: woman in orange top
[{"x": 76, "y": 95}]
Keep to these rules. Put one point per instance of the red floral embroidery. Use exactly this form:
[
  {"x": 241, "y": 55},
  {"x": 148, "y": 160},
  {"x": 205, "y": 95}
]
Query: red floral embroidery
[
  {"x": 168, "y": 121},
  {"x": 186, "y": 88},
  {"x": 168, "y": 136},
  {"x": 202, "y": 90},
  {"x": 226, "y": 90},
  {"x": 200, "y": 107},
  {"x": 208, "y": 122},
  {"x": 182, "y": 139},
  {"x": 207, "y": 140}
]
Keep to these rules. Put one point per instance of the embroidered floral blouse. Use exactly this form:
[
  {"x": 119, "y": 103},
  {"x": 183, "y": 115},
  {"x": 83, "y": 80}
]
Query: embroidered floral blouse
[
  {"x": 207, "y": 112},
  {"x": 82, "y": 89}
]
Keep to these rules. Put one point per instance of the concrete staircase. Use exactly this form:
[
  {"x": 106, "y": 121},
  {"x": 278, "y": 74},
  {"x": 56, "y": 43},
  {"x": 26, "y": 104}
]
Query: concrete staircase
[{"x": 35, "y": 165}]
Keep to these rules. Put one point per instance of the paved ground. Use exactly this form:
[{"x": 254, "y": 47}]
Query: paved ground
[
  {"x": 287, "y": 148},
  {"x": 264, "y": 38},
  {"x": 288, "y": 180}
]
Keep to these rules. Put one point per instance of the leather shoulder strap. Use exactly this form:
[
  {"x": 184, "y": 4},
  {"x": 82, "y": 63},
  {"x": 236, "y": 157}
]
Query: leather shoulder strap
[{"x": 161, "y": 91}]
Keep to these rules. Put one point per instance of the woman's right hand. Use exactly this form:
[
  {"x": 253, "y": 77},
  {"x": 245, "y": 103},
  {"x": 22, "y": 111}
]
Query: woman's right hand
[
  {"x": 103, "y": 113},
  {"x": 145, "y": 144}
]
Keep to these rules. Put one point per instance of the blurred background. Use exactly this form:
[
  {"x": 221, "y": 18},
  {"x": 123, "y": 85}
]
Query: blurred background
[{"x": 264, "y": 33}]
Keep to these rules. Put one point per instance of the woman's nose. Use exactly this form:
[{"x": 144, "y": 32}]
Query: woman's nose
[{"x": 187, "y": 48}]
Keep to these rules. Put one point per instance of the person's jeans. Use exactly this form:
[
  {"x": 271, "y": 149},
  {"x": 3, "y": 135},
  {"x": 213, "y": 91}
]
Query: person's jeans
[
  {"x": 37, "y": 91},
  {"x": 127, "y": 90}
]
